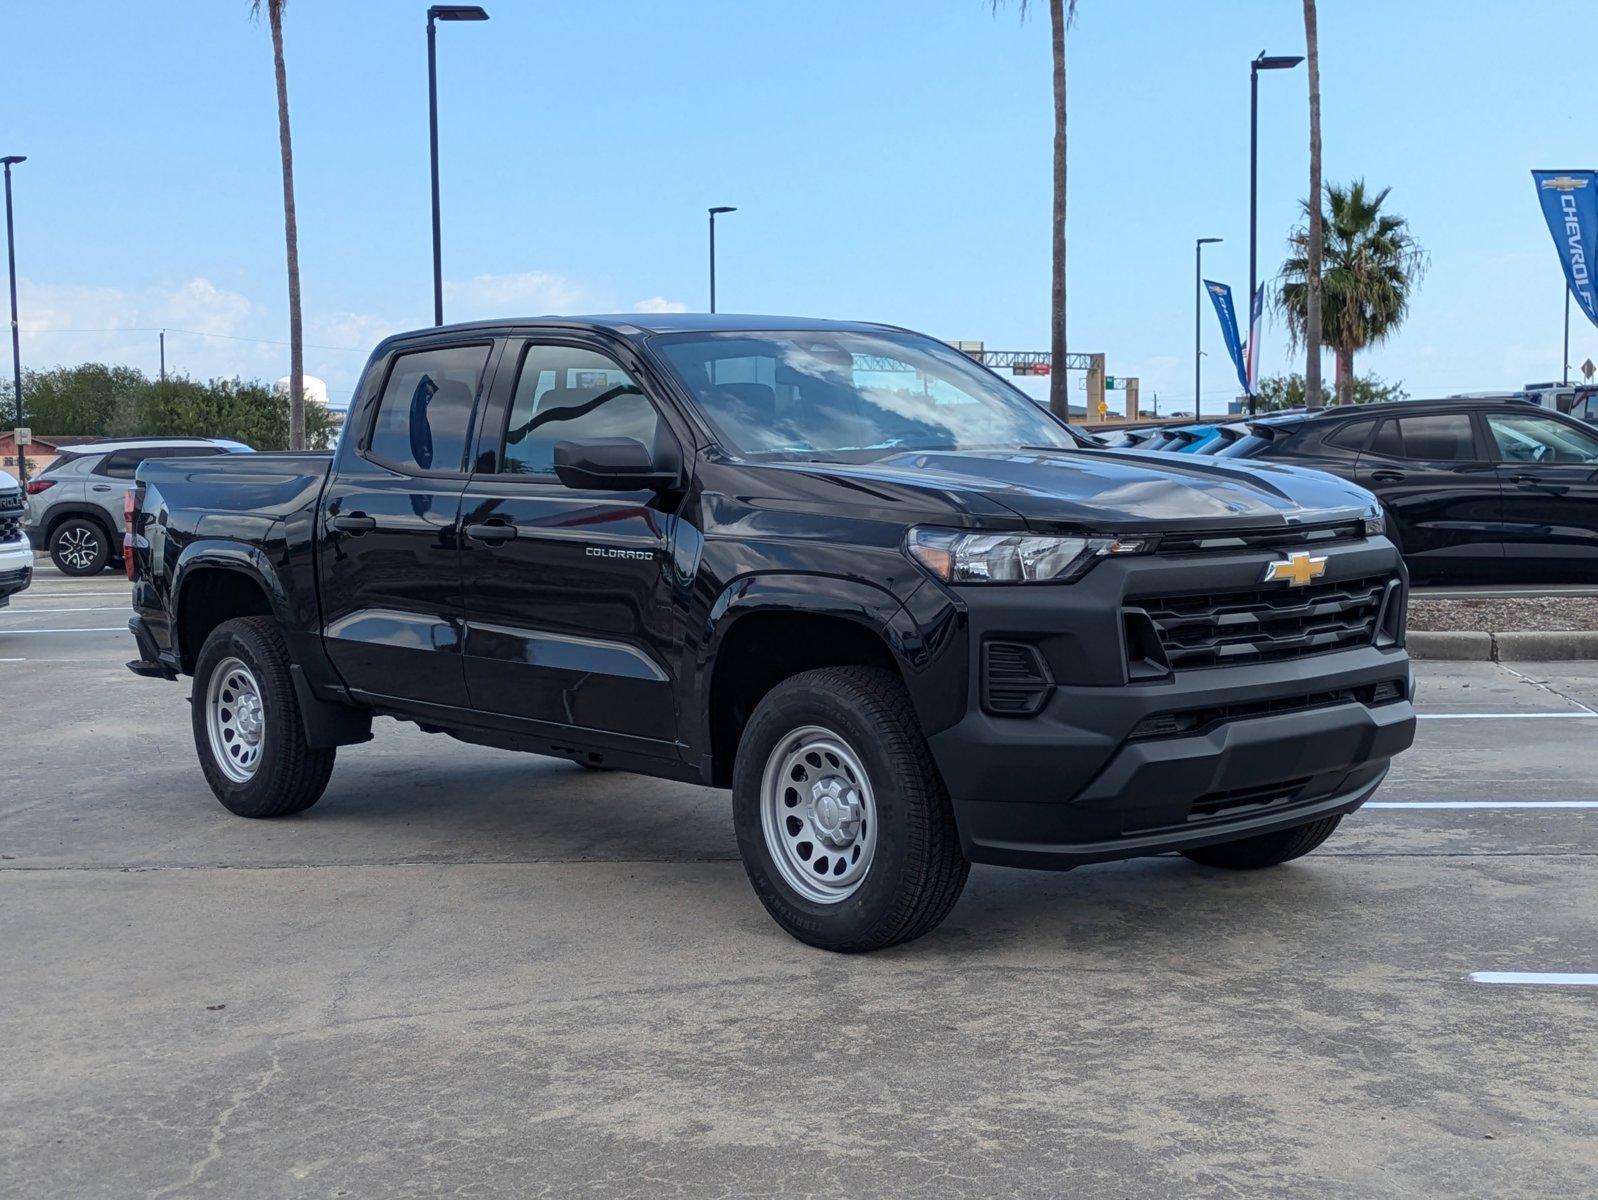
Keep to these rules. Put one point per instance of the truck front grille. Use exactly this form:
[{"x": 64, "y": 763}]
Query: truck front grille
[
  {"x": 1216, "y": 629},
  {"x": 12, "y": 507}
]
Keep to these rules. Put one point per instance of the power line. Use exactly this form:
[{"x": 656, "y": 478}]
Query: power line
[{"x": 231, "y": 337}]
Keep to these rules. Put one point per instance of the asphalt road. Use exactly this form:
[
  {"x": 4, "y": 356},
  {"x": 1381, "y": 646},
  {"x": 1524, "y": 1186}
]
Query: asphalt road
[{"x": 472, "y": 972}]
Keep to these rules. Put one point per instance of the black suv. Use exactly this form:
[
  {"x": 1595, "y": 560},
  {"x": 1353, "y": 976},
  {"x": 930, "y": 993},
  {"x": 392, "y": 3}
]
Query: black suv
[
  {"x": 1474, "y": 489},
  {"x": 838, "y": 568}
]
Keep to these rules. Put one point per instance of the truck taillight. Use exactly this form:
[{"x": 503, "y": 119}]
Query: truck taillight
[{"x": 130, "y": 505}]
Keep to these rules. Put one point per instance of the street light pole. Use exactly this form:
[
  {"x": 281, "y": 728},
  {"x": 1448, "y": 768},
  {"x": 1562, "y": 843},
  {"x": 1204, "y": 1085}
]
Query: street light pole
[
  {"x": 1565, "y": 359},
  {"x": 1198, "y": 314},
  {"x": 1262, "y": 62},
  {"x": 440, "y": 12},
  {"x": 16, "y": 342},
  {"x": 719, "y": 209}
]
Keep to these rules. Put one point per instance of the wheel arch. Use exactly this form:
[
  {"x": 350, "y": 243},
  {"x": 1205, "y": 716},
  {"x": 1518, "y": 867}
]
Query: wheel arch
[
  {"x": 769, "y": 628},
  {"x": 213, "y": 582}
]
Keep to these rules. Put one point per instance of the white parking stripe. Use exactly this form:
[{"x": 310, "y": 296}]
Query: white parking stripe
[
  {"x": 44, "y": 612},
  {"x": 1524, "y": 716},
  {"x": 31, "y": 632},
  {"x": 1482, "y": 804},
  {"x": 1535, "y": 978}
]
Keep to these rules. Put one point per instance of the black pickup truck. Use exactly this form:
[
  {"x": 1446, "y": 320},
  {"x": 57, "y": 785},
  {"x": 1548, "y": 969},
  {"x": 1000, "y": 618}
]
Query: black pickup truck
[{"x": 839, "y": 568}]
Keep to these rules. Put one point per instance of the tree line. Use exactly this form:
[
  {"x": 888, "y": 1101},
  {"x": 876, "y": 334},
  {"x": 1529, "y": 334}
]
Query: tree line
[{"x": 104, "y": 400}]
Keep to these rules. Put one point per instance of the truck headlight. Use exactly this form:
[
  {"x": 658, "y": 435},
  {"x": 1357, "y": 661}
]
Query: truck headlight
[
  {"x": 959, "y": 557},
  {"x": 1375, "y": 521}
]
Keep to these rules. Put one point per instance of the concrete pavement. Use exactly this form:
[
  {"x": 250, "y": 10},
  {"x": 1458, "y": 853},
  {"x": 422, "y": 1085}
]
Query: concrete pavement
[{"x": 469, "y": 971}]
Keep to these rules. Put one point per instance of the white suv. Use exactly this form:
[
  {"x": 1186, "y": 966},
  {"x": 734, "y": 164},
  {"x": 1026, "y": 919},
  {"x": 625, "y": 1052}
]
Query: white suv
[{"x": 16, "y": 555}]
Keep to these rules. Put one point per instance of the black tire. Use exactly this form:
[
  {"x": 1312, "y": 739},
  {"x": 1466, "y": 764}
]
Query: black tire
[
  {"x": 916, "y": 871},
  {"x": 289, "y": 776},
  {"x": 1266, "y": 850},
  {"x": 79, "y": 546}
]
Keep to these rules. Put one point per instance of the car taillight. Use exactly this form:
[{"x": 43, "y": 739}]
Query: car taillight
[
  {"x": 35, "y": 486},
  {"x": 129, "y": 506}
]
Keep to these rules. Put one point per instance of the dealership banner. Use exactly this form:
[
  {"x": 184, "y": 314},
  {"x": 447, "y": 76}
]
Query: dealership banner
[
  {"x": 1251, "y": 348},
  {"x": 1570, "y": 204},
  {"x": 1222, "y": 295}
]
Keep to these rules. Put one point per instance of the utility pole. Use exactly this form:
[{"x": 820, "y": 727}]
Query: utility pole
[{"x": 10, "y": 161}]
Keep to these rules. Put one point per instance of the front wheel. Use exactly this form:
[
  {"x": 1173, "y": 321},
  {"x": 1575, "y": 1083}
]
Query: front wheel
[
  {"x": 843, "y": 822},
  {"x": 247, "y": 725},
  {"x": 1266, "y": 850}
]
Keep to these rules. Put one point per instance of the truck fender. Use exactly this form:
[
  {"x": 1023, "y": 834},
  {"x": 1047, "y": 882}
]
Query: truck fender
[{"x": 327, "y": 723}]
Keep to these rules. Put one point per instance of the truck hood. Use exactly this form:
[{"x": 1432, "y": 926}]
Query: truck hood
[{"x": 1117, "y": 490}]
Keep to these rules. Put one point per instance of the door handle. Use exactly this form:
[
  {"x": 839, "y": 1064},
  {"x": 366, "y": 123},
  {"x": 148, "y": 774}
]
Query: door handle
[
  {"x": 1388, "y": 476},
  {"x": 355, "y": 522},
  {"x": 1524, "y": 479},
  {"x": 102, "y": 487},
  {"x": 492, "y": 532}
]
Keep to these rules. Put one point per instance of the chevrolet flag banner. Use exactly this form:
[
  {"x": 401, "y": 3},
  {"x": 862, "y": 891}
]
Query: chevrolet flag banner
[
  {"x": 1222, "y": 295},
  {"x": 1570, "y": 203},
  {"x": 1251, "y": 352}
]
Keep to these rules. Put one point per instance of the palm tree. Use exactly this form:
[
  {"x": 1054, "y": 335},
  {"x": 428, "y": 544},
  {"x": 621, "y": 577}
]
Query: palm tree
[
  {"x": 291, "y": 233},
  {"x": 1061, "y": 14},
  {"x": 1370, "y": 265},
  {"x": 1312, "y": 302}
]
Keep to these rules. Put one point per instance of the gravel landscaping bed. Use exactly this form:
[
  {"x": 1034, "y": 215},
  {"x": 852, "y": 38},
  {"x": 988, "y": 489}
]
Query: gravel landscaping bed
[{"x": 1540, "y": 613}]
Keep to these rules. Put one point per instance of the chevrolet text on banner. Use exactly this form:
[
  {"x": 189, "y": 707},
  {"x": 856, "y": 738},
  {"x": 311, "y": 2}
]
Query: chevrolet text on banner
[
  {"x": 1222, "y": 295},
  {"x": 1570, "y": 202}
]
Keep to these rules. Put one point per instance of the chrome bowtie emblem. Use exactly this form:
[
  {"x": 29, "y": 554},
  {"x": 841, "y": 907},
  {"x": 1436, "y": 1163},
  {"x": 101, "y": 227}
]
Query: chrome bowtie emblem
[{"x": 1297, "y": 569}]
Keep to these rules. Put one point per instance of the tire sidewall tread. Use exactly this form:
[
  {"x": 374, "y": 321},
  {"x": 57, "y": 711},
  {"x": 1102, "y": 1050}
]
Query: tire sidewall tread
[
  {"x": 918, "y": 870},
  {"x": 291, "y": 776}
]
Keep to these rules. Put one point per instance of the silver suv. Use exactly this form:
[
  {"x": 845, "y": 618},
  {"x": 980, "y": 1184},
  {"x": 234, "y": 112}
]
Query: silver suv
[{"x": 75, "y": 503}]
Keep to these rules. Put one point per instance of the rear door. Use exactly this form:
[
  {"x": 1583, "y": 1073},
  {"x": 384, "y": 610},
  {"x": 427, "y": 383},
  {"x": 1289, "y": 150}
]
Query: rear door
[
  {"x": 1440, "y": 486},
  {"x": 1548, "y": 473},
  {"x": 389, "y": 557},
  {"x": 570, "y": 619}
]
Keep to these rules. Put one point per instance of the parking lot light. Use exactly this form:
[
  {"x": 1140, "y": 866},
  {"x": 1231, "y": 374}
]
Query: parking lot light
[
  {"x": 440, "y": 12},
  {"x": 10, "y": 161}
]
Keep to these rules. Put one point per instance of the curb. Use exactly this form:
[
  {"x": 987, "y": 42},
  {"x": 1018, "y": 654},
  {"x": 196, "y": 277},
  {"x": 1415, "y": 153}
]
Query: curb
[{"x": 1530, "y": 646}]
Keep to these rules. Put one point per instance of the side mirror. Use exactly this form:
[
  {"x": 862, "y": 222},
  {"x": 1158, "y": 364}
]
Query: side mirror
[{"x": 611, "y": 465}]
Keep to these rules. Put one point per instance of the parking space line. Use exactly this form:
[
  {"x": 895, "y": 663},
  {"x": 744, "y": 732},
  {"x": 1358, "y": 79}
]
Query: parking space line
[
  {"x": 1500, "y": 716},
  {"x": 1536, "y": 978},
  {"x": 1481, "y": 804},
  {"x": 29, "y": 632},
  {"x": 45, "y": 612}
]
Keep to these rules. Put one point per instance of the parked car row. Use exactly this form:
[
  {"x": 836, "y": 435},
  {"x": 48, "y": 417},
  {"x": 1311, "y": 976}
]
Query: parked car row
[
  {"x": 74, "y": 506},
  {"x": 1474, "y": 489}
]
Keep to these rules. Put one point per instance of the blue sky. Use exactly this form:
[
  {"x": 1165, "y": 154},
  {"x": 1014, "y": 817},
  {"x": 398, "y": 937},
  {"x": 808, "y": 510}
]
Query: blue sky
[{"x": 889, "y": 158}]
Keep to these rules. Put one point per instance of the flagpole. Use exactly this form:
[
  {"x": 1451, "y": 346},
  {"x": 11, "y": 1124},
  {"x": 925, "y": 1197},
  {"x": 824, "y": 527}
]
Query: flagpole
[{"x": 1565, "y": 370}]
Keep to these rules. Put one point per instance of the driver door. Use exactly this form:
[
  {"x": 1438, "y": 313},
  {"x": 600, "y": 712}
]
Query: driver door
[{"x": 569, "y": 598}]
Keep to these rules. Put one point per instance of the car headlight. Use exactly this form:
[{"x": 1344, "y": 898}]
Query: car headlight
[
  {"x": 958, "y": 557},
  {"x": 1375, "y": 522}
]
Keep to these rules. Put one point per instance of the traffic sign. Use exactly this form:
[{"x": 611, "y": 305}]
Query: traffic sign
[
  {"x": 24, "y": 436},
  {"x": 1588, "y": 369},
  {"x": 1103, "y": 408}
]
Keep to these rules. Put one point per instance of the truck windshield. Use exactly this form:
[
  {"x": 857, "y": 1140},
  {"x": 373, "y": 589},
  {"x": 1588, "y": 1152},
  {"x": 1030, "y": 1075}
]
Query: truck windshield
[{"x": 850, "y": 397}]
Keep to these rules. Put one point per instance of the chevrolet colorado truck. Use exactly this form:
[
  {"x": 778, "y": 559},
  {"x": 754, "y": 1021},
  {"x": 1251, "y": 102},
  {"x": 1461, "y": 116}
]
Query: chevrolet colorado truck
[{"x": 838, "y": 568}]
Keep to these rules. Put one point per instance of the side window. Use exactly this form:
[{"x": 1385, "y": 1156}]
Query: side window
[
  {"x": 1445, "y": 437},
  {"x": 426, "y": 408},
  {"x": 1527, "y": 439},
  {"x": 564, "y": 392},
  {"x": 121, "y": 464},
  {"x": 1386, "y": 442},
  {"x": 1351, "y": 436}
]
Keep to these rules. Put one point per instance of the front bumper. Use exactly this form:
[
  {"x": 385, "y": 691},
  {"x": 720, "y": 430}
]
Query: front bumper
[
  {"x": 1117, "y": 766},
  {"x": 16, "y": 569}
]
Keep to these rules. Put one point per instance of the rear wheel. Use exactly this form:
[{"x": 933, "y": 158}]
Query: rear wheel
[
  {"x": 247, "y": 725},
  {"x": 78, "y": 546},
  {"x": 843, "y": 822},
  {"x": 1266, "y": 850}
]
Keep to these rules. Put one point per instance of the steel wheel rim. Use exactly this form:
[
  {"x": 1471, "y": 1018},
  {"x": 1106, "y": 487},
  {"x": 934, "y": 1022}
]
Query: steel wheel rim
[
  {"x": 818, "y": 814},
  {"x": 235, "y": 719},
  {"x": 77, "y": 547}
]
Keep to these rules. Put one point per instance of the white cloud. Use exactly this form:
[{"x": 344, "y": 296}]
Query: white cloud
[
  {"x": 525, "y": 293},
  {"x": 659, "y": 304}
]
